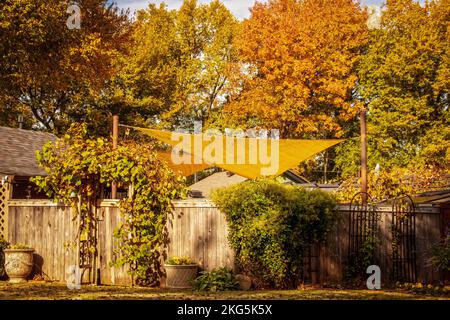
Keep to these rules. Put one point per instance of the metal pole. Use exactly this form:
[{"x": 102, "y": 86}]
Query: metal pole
[
  {"x": 20, "y": 120},
  {"x": 115, "y": 143},
  {"x": 364, "y": 187}
]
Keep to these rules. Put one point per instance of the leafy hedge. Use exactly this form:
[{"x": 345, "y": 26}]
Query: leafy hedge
[{"x": 271, "y": 226}]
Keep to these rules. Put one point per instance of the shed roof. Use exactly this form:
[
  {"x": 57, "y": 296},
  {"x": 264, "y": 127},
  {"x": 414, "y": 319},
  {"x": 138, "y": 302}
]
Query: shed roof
[
  {"x": 204, "y": 188},
  {"x": 217, "y": 180},
  {"x": 433, "y": 197},
  {"x": 18, "y": 151}
]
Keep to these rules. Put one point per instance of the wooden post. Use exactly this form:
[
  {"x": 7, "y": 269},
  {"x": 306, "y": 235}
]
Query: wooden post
[
  {"x": 78, "y": 255},
  {"x": 115, "y": 143},
  {"x": 364, "y": 187}
]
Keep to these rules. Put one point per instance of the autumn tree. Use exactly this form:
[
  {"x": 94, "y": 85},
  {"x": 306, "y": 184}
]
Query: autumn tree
[
  {"x": 48, "y": 72},
  {"x": 177, "y": 70},
  {"x": 405, "y": 85},
  {"x": 298, "y": 60}
]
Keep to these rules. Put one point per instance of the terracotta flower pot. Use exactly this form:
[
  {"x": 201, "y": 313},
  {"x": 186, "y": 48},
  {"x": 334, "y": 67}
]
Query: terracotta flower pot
[
  {"x": 180, "y": 276},
  {"x": 18, "y": 264}
]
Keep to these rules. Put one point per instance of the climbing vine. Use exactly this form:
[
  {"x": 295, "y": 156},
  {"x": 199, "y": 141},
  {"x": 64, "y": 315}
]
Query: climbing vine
[
  {"x": 79, "y": 168},
  {"x": 142, "y": 235},
  {"x": 74, "y": 176}
]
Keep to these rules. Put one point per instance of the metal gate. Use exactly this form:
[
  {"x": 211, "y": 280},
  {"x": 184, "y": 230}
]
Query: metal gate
[
  {"x": 404, "y": 240},
  {"x": 363, "y": 234}
]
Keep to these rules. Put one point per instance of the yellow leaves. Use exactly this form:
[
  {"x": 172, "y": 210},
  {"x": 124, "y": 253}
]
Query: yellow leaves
[
  {"x": 179, "y": 60},
  {"x": 305, "y": 53},
  {"x": 390, "y": 183},
  {"x": 55, "y": 73},
  {"x": 399, "y": 77}
]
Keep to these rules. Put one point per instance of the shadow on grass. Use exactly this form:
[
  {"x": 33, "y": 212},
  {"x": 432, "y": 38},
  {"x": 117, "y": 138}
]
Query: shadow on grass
[{"x": 57, "y": 291}]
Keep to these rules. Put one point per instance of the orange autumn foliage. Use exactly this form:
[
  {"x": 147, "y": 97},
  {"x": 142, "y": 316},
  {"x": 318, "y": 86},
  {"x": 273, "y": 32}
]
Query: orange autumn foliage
[{"x": 298, "y": 60}]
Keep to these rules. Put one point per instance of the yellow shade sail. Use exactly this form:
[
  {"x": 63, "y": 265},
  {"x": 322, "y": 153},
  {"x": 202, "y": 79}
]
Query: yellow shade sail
[
  {"x": 185, "y": 170},
  {"x": 247, "y": 157}
]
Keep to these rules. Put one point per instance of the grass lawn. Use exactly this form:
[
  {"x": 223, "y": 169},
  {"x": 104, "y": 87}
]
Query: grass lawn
[{"x": 45, "y": 290}]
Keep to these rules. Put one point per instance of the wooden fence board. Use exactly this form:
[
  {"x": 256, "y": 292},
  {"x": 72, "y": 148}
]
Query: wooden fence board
[
  {"x": 197, "y": 230},
  {"x": 428, "y": 234}
]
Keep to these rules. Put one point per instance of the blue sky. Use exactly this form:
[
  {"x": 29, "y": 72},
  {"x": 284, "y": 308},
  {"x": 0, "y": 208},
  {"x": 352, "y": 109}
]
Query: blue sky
[{"x": 238, "y": 7}]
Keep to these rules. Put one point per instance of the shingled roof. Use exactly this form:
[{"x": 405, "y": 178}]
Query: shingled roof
[
  {"x": 203, "y": 188},
  {"x": 18, "y": 151}
]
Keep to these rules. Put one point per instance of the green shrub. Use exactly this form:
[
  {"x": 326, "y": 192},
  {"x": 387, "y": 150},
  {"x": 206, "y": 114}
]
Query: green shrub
[
  {"x": 441, "y": 255},
  {"x": 271, "y": 226},
  {"x": 221, "y": 279}
]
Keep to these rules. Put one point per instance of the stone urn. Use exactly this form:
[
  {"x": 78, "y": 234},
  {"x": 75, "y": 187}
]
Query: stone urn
[
  {"x": 18, "y": 264},
  {"x": 245, "y": 282},
  {"x": 180, "y": 276}
]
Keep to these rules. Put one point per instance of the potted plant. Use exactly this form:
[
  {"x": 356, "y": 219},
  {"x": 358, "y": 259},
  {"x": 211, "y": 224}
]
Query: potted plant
[
  {"x": 180, "y": 272},
  {"x": 18, "y": 262}
]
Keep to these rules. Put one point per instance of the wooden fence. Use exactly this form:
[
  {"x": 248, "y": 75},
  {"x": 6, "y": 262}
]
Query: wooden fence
[
  {"x": 199, "y": 230},
  {"x": 196, "y": 230},
  {"x": 333, "y": 255},
  {"x": 50, "y": 229}
]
